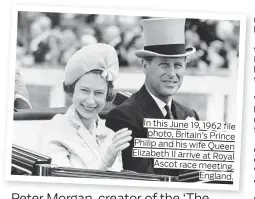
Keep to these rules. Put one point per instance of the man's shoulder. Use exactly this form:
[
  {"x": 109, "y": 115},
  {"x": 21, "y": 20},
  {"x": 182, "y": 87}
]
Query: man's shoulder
[
  {"x": 130, "y": 106},
  {"x": 125, "y": 115}
]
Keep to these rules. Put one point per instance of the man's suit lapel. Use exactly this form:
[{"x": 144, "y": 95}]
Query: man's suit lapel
[
  {"x": 177, "y": 112},
  {"x": 149, "y": 107}
]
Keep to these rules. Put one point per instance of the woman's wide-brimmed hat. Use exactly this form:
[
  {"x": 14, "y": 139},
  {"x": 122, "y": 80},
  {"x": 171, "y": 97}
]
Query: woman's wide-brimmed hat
[
  {"x": 92, "y": 57},
  {"x": 164, "y": 37}
]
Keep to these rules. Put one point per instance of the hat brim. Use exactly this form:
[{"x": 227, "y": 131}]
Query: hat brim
[{"x": 146, "y": 53}]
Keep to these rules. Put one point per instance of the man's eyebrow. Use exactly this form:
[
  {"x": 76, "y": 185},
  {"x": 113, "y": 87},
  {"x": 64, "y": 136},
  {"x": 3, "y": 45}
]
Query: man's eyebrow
[
  {"x": 163, "y": 63},
  {"x": 84, "y": 87}
]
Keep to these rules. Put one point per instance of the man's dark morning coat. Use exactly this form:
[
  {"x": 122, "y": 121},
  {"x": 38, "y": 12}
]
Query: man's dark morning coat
[{"x": 130, "y": 115}]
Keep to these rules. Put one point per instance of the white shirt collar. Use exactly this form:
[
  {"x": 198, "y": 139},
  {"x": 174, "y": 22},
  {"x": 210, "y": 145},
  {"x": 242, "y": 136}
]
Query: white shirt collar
[{"x": 160, "y": 103}]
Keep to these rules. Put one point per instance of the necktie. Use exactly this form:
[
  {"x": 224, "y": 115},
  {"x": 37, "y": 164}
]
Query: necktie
[{"x": 168, "y": 113}]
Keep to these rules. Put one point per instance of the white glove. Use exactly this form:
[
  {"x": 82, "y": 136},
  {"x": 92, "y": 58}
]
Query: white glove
[{"x": 120, "y": 141}]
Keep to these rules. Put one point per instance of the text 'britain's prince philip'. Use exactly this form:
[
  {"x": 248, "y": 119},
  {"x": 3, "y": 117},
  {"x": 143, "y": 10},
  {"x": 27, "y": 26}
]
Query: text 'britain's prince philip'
[{"x": 164, "y": 64}]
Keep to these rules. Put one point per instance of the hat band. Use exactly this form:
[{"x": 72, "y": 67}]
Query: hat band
[{"x": 169, "y": 49}]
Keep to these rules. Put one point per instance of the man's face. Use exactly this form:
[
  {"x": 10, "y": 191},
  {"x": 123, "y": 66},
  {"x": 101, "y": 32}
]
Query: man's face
[{"x": 164, "y": 75}]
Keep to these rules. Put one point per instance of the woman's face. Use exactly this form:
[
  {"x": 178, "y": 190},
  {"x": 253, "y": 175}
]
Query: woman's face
[{"x": 89, "y": 95}]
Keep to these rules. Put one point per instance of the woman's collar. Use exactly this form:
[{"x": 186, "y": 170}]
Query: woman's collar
[{"x": 75, "y": 119}]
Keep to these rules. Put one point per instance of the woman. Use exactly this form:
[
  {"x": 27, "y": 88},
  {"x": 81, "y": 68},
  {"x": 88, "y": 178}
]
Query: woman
[{"x": 80, "y": 138}]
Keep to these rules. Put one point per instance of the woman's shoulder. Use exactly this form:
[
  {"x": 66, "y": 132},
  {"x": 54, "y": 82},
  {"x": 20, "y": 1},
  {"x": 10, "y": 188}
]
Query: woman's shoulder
[
  {"x": 51, "y": 132},
  {"x": 58, "y": 126},
  {"x": 63, "y": 120},
  {"x": 59, "y": 118},
  {"x": 58, "y": 121}
]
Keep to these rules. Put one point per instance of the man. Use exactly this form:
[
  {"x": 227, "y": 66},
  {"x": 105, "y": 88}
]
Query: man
[{"x": 164, "y": 64}]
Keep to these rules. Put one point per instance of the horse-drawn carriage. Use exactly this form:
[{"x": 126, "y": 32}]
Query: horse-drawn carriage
[{"x": 27, "y": 161}]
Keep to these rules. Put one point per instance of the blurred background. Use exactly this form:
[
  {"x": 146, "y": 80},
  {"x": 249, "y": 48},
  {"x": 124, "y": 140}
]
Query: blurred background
[{"x": 45, "y": 42}]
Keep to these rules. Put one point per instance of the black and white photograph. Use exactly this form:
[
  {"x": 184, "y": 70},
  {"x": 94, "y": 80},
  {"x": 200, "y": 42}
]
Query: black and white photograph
[{"x": 144, "y": 99}]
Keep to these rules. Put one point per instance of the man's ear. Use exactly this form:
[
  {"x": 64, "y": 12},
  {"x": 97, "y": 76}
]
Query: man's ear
[
  {"x": 145, "y": 66},
  {"x": 187, "y": 60}
]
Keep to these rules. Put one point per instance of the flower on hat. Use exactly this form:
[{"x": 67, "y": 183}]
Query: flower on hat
[{"x": 107, "y": 75}]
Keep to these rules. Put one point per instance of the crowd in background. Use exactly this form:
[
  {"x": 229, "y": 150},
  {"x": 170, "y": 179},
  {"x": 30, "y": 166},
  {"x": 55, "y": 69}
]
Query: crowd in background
[{"x": 49, "y": 39}]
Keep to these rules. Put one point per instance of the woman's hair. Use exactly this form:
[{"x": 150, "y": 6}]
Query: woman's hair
[{"x": 69, "y": 88}]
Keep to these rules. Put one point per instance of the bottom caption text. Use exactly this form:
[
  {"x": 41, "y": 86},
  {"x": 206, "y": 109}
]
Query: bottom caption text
[{"x": 188, "y": 195}]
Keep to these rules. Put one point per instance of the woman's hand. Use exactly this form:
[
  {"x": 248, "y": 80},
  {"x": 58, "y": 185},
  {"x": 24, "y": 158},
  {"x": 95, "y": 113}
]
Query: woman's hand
[{"x": 120, "y": 141}]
